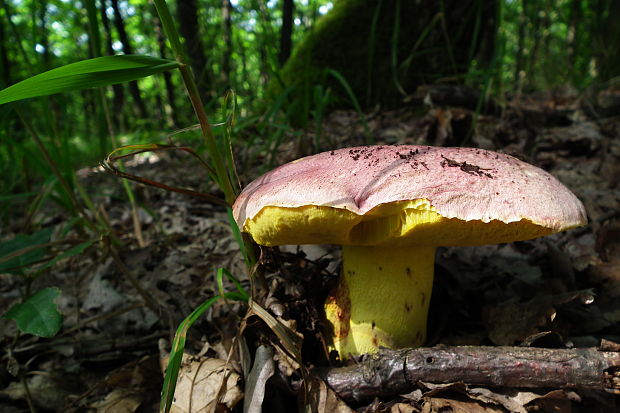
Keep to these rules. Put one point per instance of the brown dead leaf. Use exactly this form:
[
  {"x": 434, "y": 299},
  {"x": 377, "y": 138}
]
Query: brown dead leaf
[
  {"x": 119, "y": 401},
  {"x": 559, "y": 401},
  {"x": 465, "y": 399},
  {"x": 442, "y": 405},
  {"x": 403, "y": 408},
  {"x": 205, "y": 384},
  {"x": 321, "y": 399}
]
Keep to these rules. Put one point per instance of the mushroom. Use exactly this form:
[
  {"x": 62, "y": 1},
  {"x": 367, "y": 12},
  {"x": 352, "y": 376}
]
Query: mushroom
[{"x": 390, "y": 207}]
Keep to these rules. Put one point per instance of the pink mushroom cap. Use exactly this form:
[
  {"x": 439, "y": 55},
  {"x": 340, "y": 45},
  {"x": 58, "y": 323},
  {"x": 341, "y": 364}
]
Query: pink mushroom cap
[{"x": 465, "y": 184}]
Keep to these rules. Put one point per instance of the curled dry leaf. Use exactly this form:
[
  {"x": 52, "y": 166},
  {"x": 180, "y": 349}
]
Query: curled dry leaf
[{"x": 205, "y": 385}]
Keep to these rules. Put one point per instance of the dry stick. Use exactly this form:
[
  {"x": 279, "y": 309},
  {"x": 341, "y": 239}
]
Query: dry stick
[{"x": 396, "y": 372}]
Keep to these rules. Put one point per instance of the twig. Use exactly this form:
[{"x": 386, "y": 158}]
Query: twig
[{"x": 396, "y": 372}]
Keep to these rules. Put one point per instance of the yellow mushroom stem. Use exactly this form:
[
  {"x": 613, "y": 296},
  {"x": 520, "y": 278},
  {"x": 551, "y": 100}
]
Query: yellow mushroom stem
[{"x": 382, "y": 298}]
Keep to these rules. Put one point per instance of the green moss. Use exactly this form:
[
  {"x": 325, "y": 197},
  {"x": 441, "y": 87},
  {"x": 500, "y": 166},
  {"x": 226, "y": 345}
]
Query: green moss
[{"x": 384, "y": 49}]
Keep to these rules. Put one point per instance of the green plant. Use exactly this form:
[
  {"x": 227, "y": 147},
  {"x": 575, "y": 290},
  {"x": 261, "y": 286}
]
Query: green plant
[{"x": 178, "y": 344}]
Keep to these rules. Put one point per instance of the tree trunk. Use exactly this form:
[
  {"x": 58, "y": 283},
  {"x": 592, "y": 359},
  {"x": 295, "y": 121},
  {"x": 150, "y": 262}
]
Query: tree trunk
[
  {"x": 5, "y": 64},
  {"x": 190, "y": 30},
  {"x": 537, "y": 31},
  {"x": 571, "y": 34},
  {"x": 265, "y": 41},
  {"x": 286, "y": 31},
  {"x": 245, "y": 74},
  {"x": 607, "y": 56},
  {"x": 161, "y": 44},
  {"x": 139, "y": 105},
  {"x": 42, "y": 35},
  {"x": 519, "y": 58},
  {"x": 227, "y": 37},
  {"x": 118, "y": 90},
  {"x": 17, "y": 36}
]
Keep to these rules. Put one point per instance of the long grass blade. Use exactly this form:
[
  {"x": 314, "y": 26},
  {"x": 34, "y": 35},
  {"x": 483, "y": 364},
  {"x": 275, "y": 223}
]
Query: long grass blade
[{"x": 86, "y": 74}]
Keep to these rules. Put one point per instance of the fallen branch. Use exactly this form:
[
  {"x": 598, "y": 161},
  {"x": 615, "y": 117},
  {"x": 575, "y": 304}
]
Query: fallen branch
[{"x": 396, "y": 372}]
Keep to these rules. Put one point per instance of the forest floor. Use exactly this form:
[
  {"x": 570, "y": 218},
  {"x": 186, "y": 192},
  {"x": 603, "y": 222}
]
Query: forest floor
[{"x": 561, "y": 291}]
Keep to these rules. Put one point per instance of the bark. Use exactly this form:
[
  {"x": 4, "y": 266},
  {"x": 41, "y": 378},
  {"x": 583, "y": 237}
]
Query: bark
[
  {"x": 190, "y": 31},
  {"x": 227, "y": 35},
  {"x": 128, "y": 49},
  {"x": 286, "y": 31},
  {"x": 396, "y": 372}
]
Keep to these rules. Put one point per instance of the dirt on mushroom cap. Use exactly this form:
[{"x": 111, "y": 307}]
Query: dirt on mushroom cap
[{"x": 363, "y": 184}]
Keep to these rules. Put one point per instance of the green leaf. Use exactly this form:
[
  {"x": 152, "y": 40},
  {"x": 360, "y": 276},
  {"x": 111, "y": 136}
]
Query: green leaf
[
  {"x": 38, "y": 315},
  {"x": 24, "y": 250},
  {"x": 91, "y": 73}
]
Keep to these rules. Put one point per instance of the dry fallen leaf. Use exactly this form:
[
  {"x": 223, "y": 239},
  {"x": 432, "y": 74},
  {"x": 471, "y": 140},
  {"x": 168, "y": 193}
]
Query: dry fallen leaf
[
  {"x": 403, "y": 408},
  {"x": 119, "y": 401},
  {"x": 322, "y": 399},
  {"x": 205, "y": 384},
  {"x": 441, "y": 405}
]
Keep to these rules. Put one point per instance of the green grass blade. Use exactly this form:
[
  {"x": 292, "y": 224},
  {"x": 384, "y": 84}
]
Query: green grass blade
[
  {"x": 178, "y": 345},
  {"x": 243, "y": 294},
  {"x": 91, "y": 73}
]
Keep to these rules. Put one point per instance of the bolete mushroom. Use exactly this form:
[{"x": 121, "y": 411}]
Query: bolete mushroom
[{"x": 390, "y": 207}]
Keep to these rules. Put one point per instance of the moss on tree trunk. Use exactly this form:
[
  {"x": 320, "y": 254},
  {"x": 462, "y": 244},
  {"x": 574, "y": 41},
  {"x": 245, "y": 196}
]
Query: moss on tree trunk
[{"x": 386, "y": 48}]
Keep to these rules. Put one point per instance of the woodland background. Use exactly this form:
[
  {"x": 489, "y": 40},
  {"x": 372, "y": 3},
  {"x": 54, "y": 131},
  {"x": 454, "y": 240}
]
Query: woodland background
[{"x": 109, "y": 269}]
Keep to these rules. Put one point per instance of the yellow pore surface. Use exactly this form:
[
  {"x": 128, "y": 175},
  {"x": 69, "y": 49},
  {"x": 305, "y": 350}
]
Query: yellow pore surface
[{"x": 402, "y": 223}]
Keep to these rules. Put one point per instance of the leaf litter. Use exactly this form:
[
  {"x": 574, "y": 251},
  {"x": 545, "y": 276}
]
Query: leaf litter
[{"x": 559, "y": 291}]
